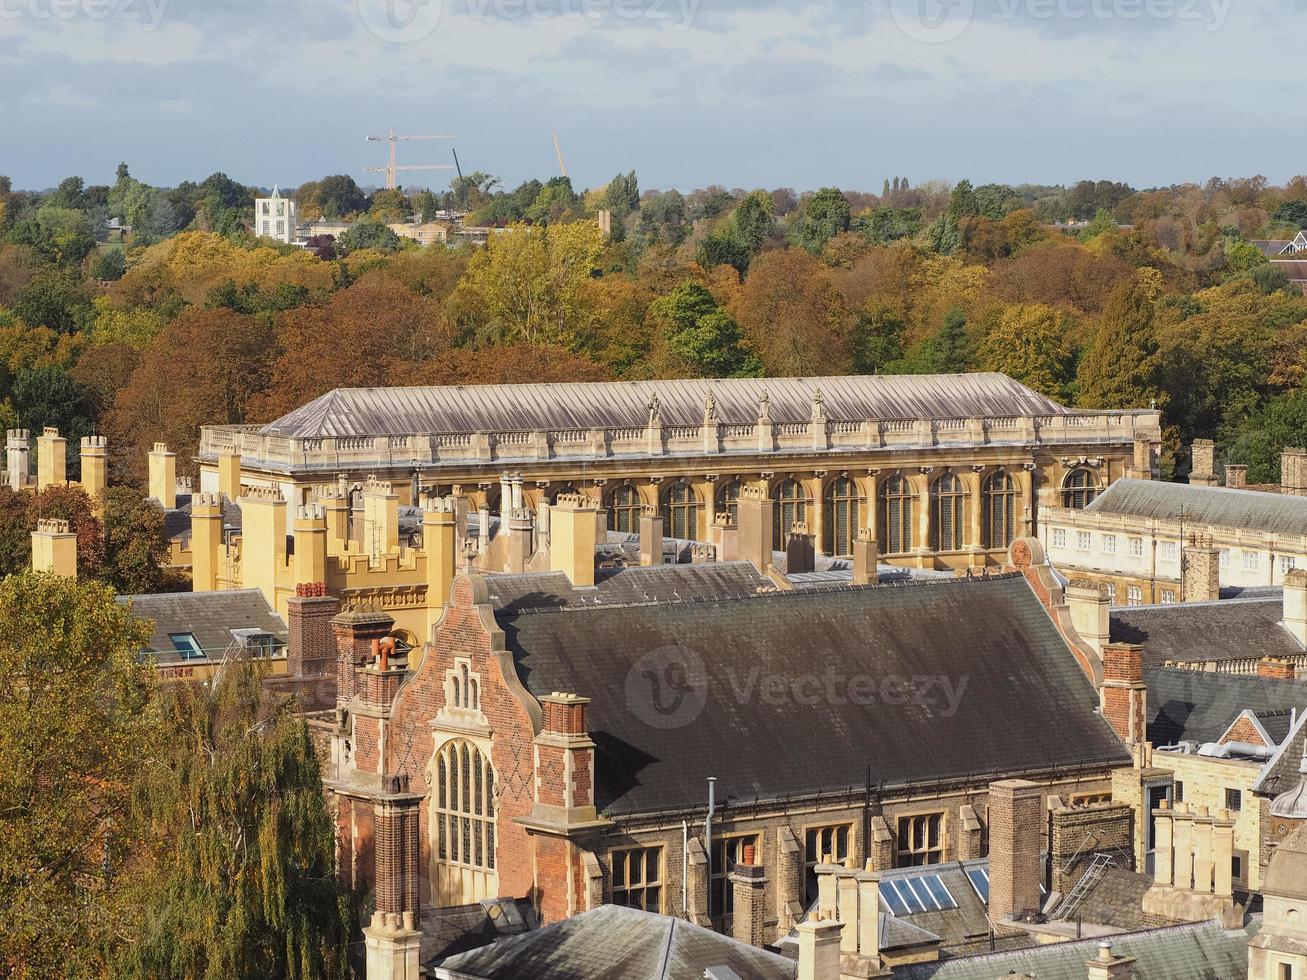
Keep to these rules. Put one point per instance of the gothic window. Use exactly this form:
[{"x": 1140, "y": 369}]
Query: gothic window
[
  {"x": 681, "y": 512},
  {"x": 896, "y": 515},
  {"x": 791, "y": 507},
  {"x": 1079, "y": 490},
  {"x": 728, "y": 500},
  {"x": 638, "y": 878},
  {"x": 1000, "y": 499},
  {"x": 921, "y": 840},
  {"x": 843, "y": 513},
  {"x": 948, "y": 500},
  {"x": 464, "y": 812},
  {"x": 624, "y": 510}
]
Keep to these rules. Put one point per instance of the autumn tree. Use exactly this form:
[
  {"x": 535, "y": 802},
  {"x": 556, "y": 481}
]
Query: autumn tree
[
  {"x": 21, "y": 510},
  {"x": 241, "y": 878},
  {"x": 793, "y": 317},
  {"x": 368, "y": 335},
  {"x": 1030, "y": 345},
  {"x": 74, "y": 733},
  {"x": 1119, "y": 367}
]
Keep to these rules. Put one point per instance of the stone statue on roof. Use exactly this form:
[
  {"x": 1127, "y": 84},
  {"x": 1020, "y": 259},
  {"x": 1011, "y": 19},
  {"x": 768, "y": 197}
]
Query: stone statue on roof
[
  {"x": 764, "y": 407},
  {"x": 655, "y": 411},
  {"x": 818, "y": 406},
  {"x": 710, "y": 408}
]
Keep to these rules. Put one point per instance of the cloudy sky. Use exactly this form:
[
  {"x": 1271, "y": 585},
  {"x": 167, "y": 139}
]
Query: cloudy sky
[{"x": 744, "y": 93}]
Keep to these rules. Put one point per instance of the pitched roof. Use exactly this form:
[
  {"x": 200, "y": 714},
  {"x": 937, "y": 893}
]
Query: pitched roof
[
  {"x": 512, "y": 594},
  {"x": 1252, "y": 510},
  {"x": 209, "y": 616},
  {"x": 1195, "y": 706},
  {"x": 1232, "y": 629},
  {"x": 786, "y": 694},
  {"x": 616, "y": 943},
  {"x": 1201, "y": 951},
  {"x": 1282, "y": 773},
  {"x": 619, "y": 404}
]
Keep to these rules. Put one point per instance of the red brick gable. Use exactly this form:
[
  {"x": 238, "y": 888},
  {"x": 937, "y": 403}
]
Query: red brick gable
[{"x": 468, "y": 630}]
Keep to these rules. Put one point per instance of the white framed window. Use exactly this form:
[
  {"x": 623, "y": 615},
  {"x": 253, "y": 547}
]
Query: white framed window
[
  {"x": 1136, "y": 547},
  {"x": 1168, "y": 597},
  {"x": 1135, "y": 596},
  {"x": 1059, "y": 537},
  {"x": 1111, "y": 594},
  {"x": 1225, "y": 559},
  {"x": 1084, "y": 541},
  {"x": 1170, "y": 551},
  {"x": 1287, "y": 564},
  {"x": 1252, "y": 561},
  {"x": 1109, "y": 544}
]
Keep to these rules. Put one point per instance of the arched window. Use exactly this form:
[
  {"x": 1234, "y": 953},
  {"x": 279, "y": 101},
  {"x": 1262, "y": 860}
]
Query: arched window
[
  {"x": 1079, "y": 489},
  {"x": 728, "y": 499},
  {"x": 464, "y": 810},
  {"x": 791, "y": 508},
  {"x": 1000, "y": 496},
  {"x": 624, "y": 510},
  {"x": 681, "y": 512},
  {"x": 843, "y": 514},
  {"x": 948, "y": 500},
  {"x": 896, "y": 516}
]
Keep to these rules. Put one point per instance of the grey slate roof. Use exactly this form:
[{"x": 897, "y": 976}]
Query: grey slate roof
[
  {"x": 1201, "y": 951},
  {"x": 1232, "y": 629},
  {"x": 1281, "y": 773},
  {"x": 512, "y": 594},
  {"x": 1191, "y": 706},
  {"x": 622, "y": 404},
  {"x": 616, "y": 943},
  {"x": 684, "y": 691},
  {"x": 210, "y": 616},
  {"x": 1252, "y": 510},
  {"x": 177, "y": 523}
]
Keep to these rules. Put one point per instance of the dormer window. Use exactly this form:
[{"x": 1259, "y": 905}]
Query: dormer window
[{"x": 186, "y": 645}]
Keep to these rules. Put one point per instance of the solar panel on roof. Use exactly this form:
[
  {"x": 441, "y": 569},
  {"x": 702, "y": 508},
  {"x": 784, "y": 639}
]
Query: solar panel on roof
[
  {"x": 910, "y": 896},
  {"x": 979, "y": 878}
]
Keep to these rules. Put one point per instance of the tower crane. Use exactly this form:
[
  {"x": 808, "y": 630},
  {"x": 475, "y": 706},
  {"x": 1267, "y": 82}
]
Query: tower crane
[{"x": 392, "y": 169}]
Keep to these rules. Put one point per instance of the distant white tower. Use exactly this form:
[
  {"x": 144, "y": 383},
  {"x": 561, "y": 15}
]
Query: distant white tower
[{"x": 274, "y": 217}]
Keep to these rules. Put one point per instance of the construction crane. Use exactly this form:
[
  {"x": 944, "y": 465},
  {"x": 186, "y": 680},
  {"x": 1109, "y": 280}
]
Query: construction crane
[
  {"x": 392, "y": 169},
  {"x": 558, "y": 151}
]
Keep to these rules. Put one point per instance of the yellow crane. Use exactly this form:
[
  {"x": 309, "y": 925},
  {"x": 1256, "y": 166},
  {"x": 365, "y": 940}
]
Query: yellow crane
[
  {"x": 392, "y": 169},
  {"x": 558, "y": 151}
]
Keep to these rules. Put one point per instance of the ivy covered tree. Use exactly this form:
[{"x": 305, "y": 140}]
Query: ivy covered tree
[
  {"x": 703, "y": 336},
  {"x": 241, "y": 880}
]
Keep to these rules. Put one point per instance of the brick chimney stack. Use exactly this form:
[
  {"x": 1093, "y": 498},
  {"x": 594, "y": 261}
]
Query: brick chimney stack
[
  {"x": 311, "y": 649},
  {"x": 651, "y": 536},
  {"x": 756, "y": 532},
  {"x": 355, "y": 633},
  {"x": 1236, "y": 477},
  {"x": 564, "y": 765},
  {"x": 749, "y": 886},
  {"x": 1123, "y": 698},
  {"x": 1016, "y": 833},
  {"x": 1201, "y": 570},
  {"x": 1203, "y": 473},
  {"x": 1273, "y": 669},
  {"x": 866, "y": 558},
  {"x": 1293, "y": 472}
]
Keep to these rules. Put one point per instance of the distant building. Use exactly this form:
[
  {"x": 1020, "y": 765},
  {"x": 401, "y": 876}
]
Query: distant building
[
  {"x": 424, "y": 233},
  {"x": 274, "y": 217}
]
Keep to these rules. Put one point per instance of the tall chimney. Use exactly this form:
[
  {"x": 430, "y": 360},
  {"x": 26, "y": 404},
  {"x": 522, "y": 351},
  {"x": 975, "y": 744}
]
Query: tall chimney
[
  {"x": 311, "y": 645},
  {"x": 1293, "y": 472},
  {"x": 724, "y": 536},
  {"x": 819, "y": 949},
  {"x": 1201, "y": 575},
  {"x": 229, "y": 475},
  {"x": 520, "y": 529},
  {"x": 1236, "y": 477},
  {"x": 756, "y": 542},
  {"x": 263, "y": 540},
  {"x": 1091, "y": 612},
  {"x": 748, "y": 881},
  {"x": 51, "y": 459},
  {"x": 206, "y": 541},
  {"x": 1203, "y": 473},
  {"x": 95, "y": 469},
  {"x": 651, "y": 536},
  {"x": 572, "y": 539},
  {"x": 1123, "y": 698},
  {"x": 1016, "y": 833},
  {"x": 1142, "y": 463},
  {"x": 800, "y": 552},
  {"x": 440, "y": 543},
  {"x": 380, "y": 518},
  {"x": 310, "y": 533},
  {"x": 163, "y": 476},
  {"x": 1295, "y": 604},
  {"x": 17, "y": 459},
  {"x": 54, "y": 548},
  {"x": 866, "y": 558}
]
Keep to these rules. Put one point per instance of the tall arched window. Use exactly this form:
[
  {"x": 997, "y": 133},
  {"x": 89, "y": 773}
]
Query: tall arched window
[
  {"x": 681, "y": 512},
  {"x": 624, "y": 510},
  {"x": 1000, "y": 496},
  {"x": 896, "y": 515},
  {"x": 843, "y": 514},
  {"x": 948, "y": 499},
  {"x": 464, "y": 807},
  {"x": 1079, "y": 489},
  {"x": 791, "y": 508},
  {"x": 728, "y": 499}
]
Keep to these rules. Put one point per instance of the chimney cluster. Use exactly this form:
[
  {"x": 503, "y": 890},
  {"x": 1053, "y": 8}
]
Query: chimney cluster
[
  {"x": 1193, "y": 877},
  {"x": 851, "y": 899}
]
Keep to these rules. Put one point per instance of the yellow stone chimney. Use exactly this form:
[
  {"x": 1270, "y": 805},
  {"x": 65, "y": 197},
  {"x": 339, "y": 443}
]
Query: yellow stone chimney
[
  {"x": 572, "y": 539},
  {"x": 163, "y": 476},
  {"x": 310, "y": 533},
  {"x": 229, "y": 475},
  {"x": 95, "y": 469},
  {"x": 206, "y": 541},
  {"x": 54, "y": 548},
  {"x": 263, "y": 540},
  {"x": 51, "y": 459}
]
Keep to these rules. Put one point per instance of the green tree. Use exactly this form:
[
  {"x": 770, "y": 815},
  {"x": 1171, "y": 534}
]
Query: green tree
[
  {"x": 1119, "y": 367},
  {"x": 752, "y": 222},
  {"x": 1029, "y": 345},
  {"x": 109, "y": 265},
  {"x": 1258, "y": 440},
  {"x": 1292, "y": 212},
  {"x": 962, "y": 202},
  {"x": 54, "y": 299},
  {"x": 823, "y": 216},
  {"x": 877, "y": 340},
  {"x": 949, "y": 349},
  {"x": 723, "y": 248},
  {"x": 74, "y": 732},
  {"x": 703, "y": 336},
  {"x": 390, "y": 207},
  {"x": 135, "y": 545},
  {"x": 47, "y": 395},
  {"x": 243, "y": 883},
  {"x": 369, "y": 234},
  {"x": 622, "y": 196}
]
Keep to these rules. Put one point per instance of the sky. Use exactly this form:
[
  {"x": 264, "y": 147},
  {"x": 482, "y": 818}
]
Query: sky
[{"x": 743, "y": 93}]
